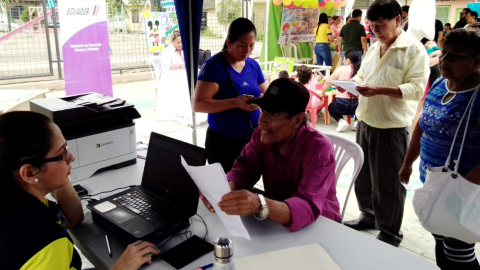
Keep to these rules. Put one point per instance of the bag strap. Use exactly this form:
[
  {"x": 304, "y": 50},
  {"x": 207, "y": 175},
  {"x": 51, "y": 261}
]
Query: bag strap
[
  {"x": 469, "y": 111},
  {"x": 232, "y": 85}
]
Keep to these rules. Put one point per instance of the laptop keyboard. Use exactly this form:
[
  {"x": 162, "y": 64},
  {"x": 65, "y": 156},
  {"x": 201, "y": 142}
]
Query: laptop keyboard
[{"x": 146, "y": 207}]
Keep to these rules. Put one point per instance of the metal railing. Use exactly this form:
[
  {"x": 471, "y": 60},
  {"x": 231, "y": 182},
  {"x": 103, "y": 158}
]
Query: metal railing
[{"x": 36, "y": 51}]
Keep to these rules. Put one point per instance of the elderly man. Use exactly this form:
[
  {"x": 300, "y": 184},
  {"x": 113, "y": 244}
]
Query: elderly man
[
  {"x": 296, "y": 161},
  {"x": 393, "y": 77}
]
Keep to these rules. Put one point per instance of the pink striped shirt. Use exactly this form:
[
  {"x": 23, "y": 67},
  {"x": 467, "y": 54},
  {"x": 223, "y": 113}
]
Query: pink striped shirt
[{"x": 303, "y": 178}]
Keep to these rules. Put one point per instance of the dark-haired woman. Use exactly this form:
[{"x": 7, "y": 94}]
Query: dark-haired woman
[
  {"x": 336, "y": 27},
  {"x": 323, "y": 37},
  {"x": 434, "y": 133},
  {"x": 344, "y": 103},
  {"x": 224, "y": 95},
  {"x": 34, "y": 161}
]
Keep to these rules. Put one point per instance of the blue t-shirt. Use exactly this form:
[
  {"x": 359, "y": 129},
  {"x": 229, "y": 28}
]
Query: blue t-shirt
[
  {"x": 232, "y": 122},
  {"x": 439, "y": 122}
]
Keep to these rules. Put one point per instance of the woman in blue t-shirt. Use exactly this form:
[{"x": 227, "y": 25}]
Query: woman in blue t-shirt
[
  {"x": 230, "y": 118},
  {"x": 433, "y": 135}
]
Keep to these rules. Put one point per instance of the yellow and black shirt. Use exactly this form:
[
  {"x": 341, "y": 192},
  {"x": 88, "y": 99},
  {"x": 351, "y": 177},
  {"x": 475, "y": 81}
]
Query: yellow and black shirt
[{"x": 33, "y": 236}]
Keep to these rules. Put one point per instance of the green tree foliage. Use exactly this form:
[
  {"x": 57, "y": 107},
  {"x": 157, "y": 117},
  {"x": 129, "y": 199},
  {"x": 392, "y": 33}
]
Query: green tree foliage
[
  {"x": 116, "y": 5},
  {"x": 227, "y": 11},
  {"x": 25, "y": 15},
  {"x": 5, "y": 5}
]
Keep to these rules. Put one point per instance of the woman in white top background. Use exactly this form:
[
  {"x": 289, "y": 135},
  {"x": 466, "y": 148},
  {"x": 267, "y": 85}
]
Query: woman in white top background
[
  {"x": 174, "y": 103},
  {"x": 172, "y": 56}
]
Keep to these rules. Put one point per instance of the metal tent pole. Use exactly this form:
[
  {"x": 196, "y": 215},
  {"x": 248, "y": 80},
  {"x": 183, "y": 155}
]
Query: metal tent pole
[
  {"x": 192, "y": 71},
  {"x": 266, "y": 31}
]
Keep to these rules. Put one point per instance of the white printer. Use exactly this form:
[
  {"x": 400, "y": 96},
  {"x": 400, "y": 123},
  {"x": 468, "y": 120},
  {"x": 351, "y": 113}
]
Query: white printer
[{"x": 99, "y": 130}]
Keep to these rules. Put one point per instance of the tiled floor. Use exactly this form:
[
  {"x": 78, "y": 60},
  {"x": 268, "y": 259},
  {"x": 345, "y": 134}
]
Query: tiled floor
[{"x": 416, "y": 240}]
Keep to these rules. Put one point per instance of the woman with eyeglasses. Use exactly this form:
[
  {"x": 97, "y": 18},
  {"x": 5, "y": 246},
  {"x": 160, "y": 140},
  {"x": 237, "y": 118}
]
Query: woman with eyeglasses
[
  {"x": 434, "y": 133},
  {"x": 34, "y": 161}
]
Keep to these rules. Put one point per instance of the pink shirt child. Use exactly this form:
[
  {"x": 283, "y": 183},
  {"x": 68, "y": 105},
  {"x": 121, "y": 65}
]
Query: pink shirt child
[
  {"x": 312, "y": 86},
  {"x": 303, "y": 178}
]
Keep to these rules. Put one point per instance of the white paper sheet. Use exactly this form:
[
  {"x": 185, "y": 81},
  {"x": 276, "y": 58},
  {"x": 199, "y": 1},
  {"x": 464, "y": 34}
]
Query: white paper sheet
[
  {"x": 142, "y": 150},
  {"x": 310, "y": 257},
  {"x": 409, "y": 186},
  {"x": 212, "y": 182},
  {"x": 347, "y": 85}
]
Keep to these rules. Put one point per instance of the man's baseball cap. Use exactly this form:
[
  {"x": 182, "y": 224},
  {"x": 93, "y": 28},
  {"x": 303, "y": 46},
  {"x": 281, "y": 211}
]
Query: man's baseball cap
[{"x": 283, "y": 95}]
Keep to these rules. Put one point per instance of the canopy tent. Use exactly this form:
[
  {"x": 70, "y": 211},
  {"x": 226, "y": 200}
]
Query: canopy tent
[{"x": 189, "y": 14}]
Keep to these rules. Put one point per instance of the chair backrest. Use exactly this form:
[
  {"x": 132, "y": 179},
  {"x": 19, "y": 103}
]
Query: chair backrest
[
  {"x": 296, "y": 51},
  {"x": 310, "y": 102},
  {"x": 310, "y": 105},
  {"x": 312, "y": 46},
  {"x": 344, "y": 151},
  {"x": 299, "y": 50},
  {"x": 287, "y": 49},
  {"x": 155, "y": 64}
]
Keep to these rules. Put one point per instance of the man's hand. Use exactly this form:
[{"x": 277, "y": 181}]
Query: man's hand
[
  {"x": 369, "y": 90},
  {"x": 340, "y": 89},
  {"x": 241, "y": 202},
  {"x": 206, "y": 202},
  {"x": 404, "y": 173}
]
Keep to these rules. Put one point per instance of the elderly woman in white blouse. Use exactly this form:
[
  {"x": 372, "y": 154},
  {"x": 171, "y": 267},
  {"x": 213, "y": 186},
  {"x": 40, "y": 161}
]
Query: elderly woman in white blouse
[{"x": 174, "y": 99}]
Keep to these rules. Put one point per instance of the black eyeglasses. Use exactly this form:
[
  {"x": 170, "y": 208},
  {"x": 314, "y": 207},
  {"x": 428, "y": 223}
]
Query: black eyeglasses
[{"x": 59, "y": 158}]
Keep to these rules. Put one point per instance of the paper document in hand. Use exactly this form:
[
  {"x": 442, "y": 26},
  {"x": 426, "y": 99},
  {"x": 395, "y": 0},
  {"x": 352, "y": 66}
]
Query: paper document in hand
[
  {"x": 409, "y": 186},
  {"x": 212, "y": 182},
  {"x": 347, "y": 85}
]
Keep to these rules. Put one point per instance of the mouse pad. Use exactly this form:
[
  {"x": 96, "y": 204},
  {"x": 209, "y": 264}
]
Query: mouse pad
[
  {"x": 97, "y": 246},
  {"x": 186, "y": 252}
]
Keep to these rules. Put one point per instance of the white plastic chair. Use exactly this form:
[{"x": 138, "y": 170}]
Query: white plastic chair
[
  {"x": 287, "y": 52},
  {"x": 312, "y": 49},
  {"x": 155, "y": 64},
  {"x": 344, "y": 151},
  {"x": 296, "y": 50}
]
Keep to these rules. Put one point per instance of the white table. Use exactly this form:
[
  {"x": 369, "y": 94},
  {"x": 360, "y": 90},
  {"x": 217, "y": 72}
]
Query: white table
[
  {"x": 348, "y": 248},
  {"x": 18, "y": 100}
]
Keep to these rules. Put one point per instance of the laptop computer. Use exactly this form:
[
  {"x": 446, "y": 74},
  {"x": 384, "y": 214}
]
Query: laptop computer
[{"x": 167, "y": 197}]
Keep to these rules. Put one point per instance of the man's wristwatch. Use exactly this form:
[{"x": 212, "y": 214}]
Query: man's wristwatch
[{"x": 263, "y": 209}]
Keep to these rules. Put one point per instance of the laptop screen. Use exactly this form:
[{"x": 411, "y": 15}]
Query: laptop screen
[{"x": 164, "y": 174}]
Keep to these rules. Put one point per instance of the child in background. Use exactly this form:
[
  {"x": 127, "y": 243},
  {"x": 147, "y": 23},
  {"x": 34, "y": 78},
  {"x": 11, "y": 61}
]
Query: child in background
[
  {"x": 447, "y": 28},
  {"x": 307, "y": 79},
  {"x": 283, "y": 74}
]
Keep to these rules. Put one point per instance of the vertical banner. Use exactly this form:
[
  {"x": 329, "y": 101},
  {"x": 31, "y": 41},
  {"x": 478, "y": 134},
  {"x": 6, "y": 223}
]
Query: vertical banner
[
  {"x": 159, "y": 27},
  {"x": 85, "y": 47},
  {"x": 298, "y": 24}
]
